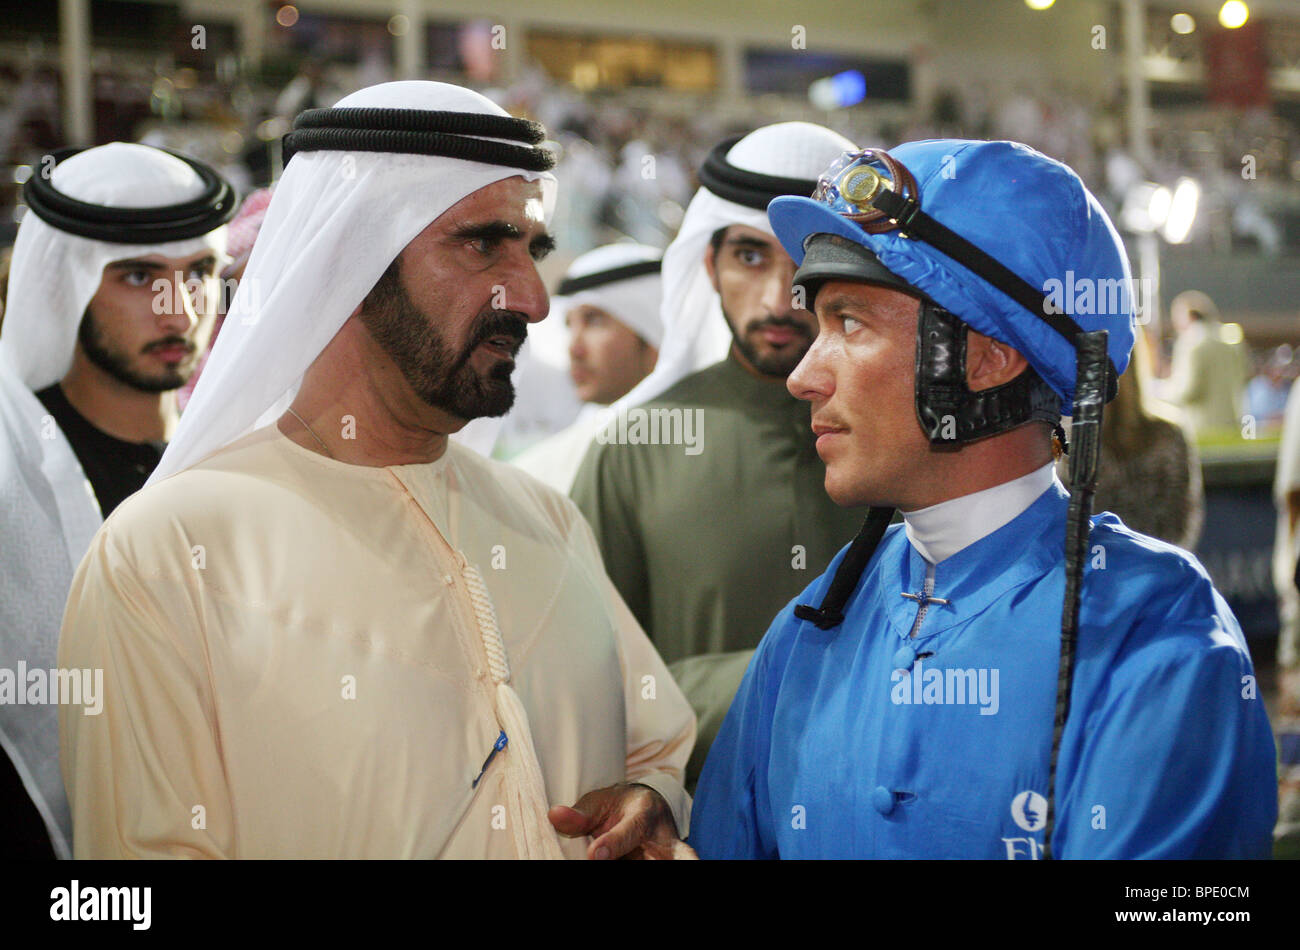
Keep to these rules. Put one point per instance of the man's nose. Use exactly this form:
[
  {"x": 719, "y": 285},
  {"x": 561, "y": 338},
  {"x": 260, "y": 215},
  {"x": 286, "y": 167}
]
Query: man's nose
[
  {"x": 184, "y": 304},
  {"x": 812, "y": 379},
  {"x": 524, "y": 293}
]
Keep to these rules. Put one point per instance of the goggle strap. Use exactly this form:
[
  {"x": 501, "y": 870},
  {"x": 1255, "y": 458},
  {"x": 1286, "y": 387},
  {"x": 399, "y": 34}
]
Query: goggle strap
[{"x": 915, "y": 223}]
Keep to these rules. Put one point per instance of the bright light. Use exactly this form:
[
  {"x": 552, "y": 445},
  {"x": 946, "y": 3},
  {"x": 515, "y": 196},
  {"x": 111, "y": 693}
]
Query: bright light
[
  {"x": 399, "y": 25},
  {"x": 22, "y": 173},
  {"x": 1158, "y": 206},
  {"x": 1182, "y": 23},
  {"x": 1182, "y": 211},
  {"x": 1146, "y": 207},
  {"x": 839, "y": 91},
  {"x": 1039, "y": 4},
  {"x": 287, "y": 15},
  {"x": 1233, "y": 14}
]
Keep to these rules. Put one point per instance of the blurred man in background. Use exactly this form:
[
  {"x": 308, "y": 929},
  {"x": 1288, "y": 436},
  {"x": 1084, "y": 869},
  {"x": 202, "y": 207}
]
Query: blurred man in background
[
  {"x": 708, "y": 535},
  {"x": 109, "y": 303},
  {"x": 611, "y": 298},
  {"x": 1208, "y": 369},
  {"x": 1267, "y": 391}
]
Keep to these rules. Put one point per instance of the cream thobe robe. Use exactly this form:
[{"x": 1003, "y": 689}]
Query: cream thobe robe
[{"x": 293, "y": 667}]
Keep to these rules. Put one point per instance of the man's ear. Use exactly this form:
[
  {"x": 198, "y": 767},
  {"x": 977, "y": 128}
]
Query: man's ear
[{"x": 990, "y": 362}]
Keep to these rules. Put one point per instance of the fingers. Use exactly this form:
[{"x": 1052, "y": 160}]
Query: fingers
[
  {"x": 661, "y": 850},
  {"x": 628, "y": 834},
  {"x": 570, "y": 822},
  {"x": 585, "y": 816}
]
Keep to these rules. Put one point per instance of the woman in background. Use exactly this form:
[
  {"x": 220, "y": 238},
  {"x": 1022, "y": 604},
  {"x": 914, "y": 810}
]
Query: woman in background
[{"x": 1150, "y": 474}]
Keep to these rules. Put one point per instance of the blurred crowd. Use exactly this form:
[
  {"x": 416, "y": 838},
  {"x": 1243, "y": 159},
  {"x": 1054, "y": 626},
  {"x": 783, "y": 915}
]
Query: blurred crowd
[{"x": 628, "y": 157}]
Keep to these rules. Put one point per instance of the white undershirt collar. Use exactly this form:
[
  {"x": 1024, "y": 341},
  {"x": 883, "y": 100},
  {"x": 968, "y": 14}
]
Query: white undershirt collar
[{"x": 940, "y": 531}]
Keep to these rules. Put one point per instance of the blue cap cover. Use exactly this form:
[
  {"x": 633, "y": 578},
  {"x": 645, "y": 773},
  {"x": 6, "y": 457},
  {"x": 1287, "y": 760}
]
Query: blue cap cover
[{"x": 1030, "y": 212}]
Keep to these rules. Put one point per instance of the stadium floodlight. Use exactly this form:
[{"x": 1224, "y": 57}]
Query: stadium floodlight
[
  {"x": 1146, "y": 207},
  {"x": 1233, "y": 14},
  {"x": 1182, "y": 211}
]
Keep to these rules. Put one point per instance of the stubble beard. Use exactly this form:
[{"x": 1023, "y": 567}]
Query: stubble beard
[
  {"x": 118, "y": 365},
  {"x": 777, "y": 364}
]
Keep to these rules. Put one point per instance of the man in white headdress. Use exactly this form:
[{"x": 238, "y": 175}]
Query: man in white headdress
[
  {"x": 610, "y": 301},
  {"x": 108, "y": 305},
  {"x": 326, "y": 630},
  {"x": 703, "y": 485}
]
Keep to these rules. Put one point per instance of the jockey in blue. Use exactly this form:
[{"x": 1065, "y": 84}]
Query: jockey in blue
[{"x": 1002, "y": 675}]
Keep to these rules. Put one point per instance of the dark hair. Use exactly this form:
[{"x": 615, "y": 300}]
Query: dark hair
[{"x": 715, "y": 241}]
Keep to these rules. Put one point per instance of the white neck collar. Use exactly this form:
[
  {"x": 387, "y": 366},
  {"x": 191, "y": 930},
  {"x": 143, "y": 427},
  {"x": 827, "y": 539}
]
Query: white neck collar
[{"x": 940, "y": 531}]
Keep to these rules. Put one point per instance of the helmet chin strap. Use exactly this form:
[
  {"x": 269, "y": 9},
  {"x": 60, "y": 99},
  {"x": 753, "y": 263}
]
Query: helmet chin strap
[
  {"x": 950, "y": 413},
  {"x": 831, "y": 612}
]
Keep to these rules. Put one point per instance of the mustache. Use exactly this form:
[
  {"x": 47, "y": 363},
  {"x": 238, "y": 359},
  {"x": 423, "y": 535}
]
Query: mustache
[
  {"x": 507, "y": 323},
  {"x": 774, "y": 321},
  {"x": 169, "y": 341}
]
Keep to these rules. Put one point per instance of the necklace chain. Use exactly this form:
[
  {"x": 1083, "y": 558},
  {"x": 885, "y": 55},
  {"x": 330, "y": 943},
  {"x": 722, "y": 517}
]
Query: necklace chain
[{"x": 312, "y": 431}]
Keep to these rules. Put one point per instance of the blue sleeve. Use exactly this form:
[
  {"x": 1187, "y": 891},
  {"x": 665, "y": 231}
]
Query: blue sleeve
[
  {"x": 1178, "y": 759},
  {"x": 729, "y": 818}
]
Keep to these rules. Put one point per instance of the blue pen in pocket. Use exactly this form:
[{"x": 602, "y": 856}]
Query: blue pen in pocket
[{"x": 496, "y": 747}]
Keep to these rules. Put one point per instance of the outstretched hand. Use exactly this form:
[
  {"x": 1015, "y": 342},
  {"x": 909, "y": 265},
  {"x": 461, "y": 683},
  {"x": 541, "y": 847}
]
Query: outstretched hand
[{"x": 624, "y": 821}]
